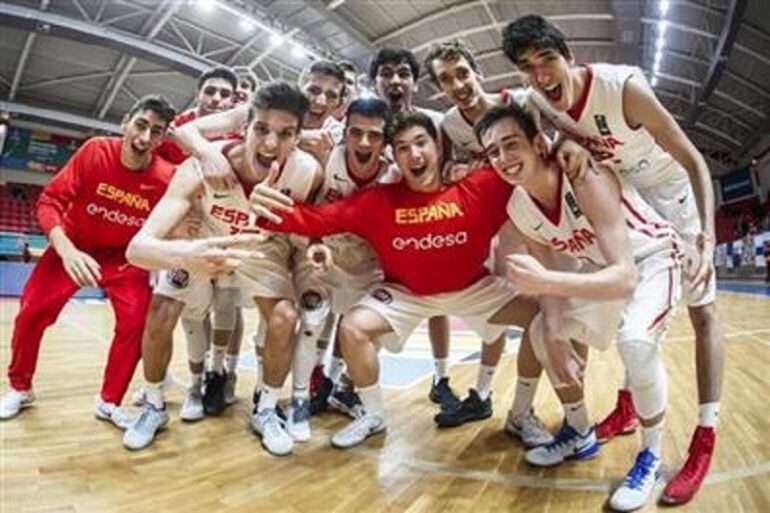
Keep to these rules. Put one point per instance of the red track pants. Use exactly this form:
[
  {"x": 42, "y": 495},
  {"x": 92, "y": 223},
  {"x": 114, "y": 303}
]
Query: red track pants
[{"x": 45, "y": 294}]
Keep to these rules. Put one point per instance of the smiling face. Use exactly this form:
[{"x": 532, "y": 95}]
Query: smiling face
[
  {"x": 271, "y": 137},
  {"x": 216, "y": 94},
  {"x": 395, "y": 84},
  {"x": 364, "y": 139},
  {"x": 515, "y": 158},
  {"x": 459, "y": 81},
  {"x": 550, "y": 73},
  {"x": 325, "y": 95},
  {"x": 142, "y": 133},
  {"x": 417, "y": 156}
]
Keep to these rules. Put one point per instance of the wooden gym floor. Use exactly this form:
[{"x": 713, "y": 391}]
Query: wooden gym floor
[{"x": 57, "y": 457}]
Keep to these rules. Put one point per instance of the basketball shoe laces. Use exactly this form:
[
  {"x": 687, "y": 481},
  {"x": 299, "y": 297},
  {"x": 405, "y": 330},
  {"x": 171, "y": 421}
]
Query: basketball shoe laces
[
  {"x": 640, "y": 470},
  {"x": 562, "y": 438}
]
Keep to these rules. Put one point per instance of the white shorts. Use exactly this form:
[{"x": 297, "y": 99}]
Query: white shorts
[
  {"x": 404, "y": 311},
  {"x": 674, "y": 200},
  {"x": 268, "y": 277},
  {"x": 649, "y": 311},
  {"x": 194, "y": 290}
]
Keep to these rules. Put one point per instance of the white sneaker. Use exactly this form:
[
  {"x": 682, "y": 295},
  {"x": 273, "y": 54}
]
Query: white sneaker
[
  {"x": 639, "y": 484},
  {"x": 528, "y": 428},
  {"x": 110, "y": 412},
  {"x": 567, "y": 444},
  {"x": 358, "y": 431},
  {"x": 13, "y": 401},
  {"x": 275, "y": 439},
  {"x": 192, "y": 407},
  {"x": 232, "y": 379},
  {"x": 142, "y": 432},
  {"x": 298, "y": 420}
]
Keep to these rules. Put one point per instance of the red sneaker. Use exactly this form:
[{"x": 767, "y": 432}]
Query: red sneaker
[
  {"x": 687, "y": 481},
  {"x": 621, "y": 421},
  {"x": 316, "y": 379}
]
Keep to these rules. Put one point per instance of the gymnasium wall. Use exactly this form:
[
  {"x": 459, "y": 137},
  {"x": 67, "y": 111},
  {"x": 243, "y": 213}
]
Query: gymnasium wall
[{"x": 13, "y": 276}]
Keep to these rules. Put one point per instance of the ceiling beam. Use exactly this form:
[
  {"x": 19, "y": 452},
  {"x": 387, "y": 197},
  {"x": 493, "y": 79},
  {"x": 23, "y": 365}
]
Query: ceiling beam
[
  {"x": 719, "y": 58},
  {"x": 428, "y": 19},
  {"x": 628, "y": 30},
  {"x": 499, "y": 25},
  {"x": 57, "y": 116},
  {"x": 21, "y": 64},
  {"x": 319, "y": 7},
  {"x": 150, "y": 30},
  {"x": 62, "y": 26}
]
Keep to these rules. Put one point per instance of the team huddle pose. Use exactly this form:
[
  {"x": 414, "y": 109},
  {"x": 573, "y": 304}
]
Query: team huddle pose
[{"x": 574, "y": 208}]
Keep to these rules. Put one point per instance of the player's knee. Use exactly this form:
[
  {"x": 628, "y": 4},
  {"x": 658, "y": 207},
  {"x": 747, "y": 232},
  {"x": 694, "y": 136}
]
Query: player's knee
[
  {"x": 703, "y": 318},
  {"x": 282, "y": 320},
  {"x": 536, "y": 341},
  {"x": 350, "y": 334},
  {"x": 161, "y": 318}
]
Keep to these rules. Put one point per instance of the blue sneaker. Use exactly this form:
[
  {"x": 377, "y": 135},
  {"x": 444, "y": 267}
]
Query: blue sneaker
[
  {"x": 639, "y": 484},
  {"x": 567, "y": 444}
]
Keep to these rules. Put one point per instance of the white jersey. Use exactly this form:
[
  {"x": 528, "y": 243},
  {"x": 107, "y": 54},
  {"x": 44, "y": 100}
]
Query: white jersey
[
  {"x": 351, "y": 253},
  {"x": 568, "y": 231},
  {"x": 435, "y": 116},
  {"x": 460, "y": 130},
  {"x": 335, "y": 128},
  {"x": 597, "y": 123}
]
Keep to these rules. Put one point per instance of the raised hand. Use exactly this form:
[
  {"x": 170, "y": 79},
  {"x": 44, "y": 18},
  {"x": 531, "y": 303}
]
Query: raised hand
[
  {"x": 573, "y": 159},
  {"x": 217, "y": 255},
  {"x": 216, "y": 169},
  {"x": 265, "y": 198}
]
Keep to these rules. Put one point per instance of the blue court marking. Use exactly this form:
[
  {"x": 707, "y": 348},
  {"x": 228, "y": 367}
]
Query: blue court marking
[{"x": 757, "y": 289}]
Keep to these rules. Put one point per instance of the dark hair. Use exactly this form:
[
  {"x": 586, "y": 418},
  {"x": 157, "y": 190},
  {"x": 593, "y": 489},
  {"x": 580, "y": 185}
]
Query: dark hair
[
  {"x": 280, "y": 96},
  {"x": 222, "y": 72},
  {"x": 450, "y": 51},
  {"x": 395, "y": 56},
  {"x": 347, "y": 66},
  {"x": 156, "y": 103},
  {"x": 406, "y": 120},
  {"x": 513, "y": 111},
  {"x": 326, "y": 68},
  {"x": 244, "y": 72},
  {"x": 530, "y": 32},
  {"x": 371, "y": 108}
]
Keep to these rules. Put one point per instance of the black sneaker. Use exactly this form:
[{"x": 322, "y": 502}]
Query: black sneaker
[
  {"x": 347, "y": 401},
  {"x": 471, "y": 408},
  {"x": 443, "y": 395},
  {"x": 255, "y": 405},
  {"x": 319, "y": 401},
  {"x": 214, "y": 395}
]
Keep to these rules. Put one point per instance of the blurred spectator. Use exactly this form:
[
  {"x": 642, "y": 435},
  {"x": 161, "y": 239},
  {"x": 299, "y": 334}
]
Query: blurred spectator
[{"x": 766, "y": 251}]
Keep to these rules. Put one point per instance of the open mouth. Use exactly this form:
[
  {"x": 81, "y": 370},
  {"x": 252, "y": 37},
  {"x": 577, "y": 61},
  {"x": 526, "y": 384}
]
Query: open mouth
[
  {"x": 264, "y": 160},
  {"x": 464, "y": 96},
  {"x": 395, "y": 95},
  {"x": 363, "y": 157},
  {"x": 138, "y": 149},
  {"x": 512, "y": 171},
  {"x": 553, "y": 93},
  {"x": 417, "y": 172}
]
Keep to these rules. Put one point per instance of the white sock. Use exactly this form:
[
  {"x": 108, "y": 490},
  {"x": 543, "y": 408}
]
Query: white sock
[
  {"x": 577, "y": 416},
  {"x": 218, "y": 358},
  {"x": 335, "y": 369},
  {"x": 484, "y": 380},
  {"x": 524, "y": 396},
  {"x": 651, "y": 438},
  {"x": 371, "y": 399},
  {"x": 320, "y": 353},
  {"x": 153, "y": 394},
  {"x": 708, "y": 414},
  {"x": 268, "y": 398},
  {"x": 231, "y": 362},
  {"x": 442, "y": 368},
  {"x": 301, "y": 393},
  {"x": 197, "y": 379}
]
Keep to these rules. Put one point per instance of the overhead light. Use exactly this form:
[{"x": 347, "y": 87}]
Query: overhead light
[
  {"x": 654, "y": 81},
  {"x": 658, "y": 56},
  {"x": 663, "y": 8},
  {"x": 660, "y": 43},
  {"x": 297, "y": 51},
  {"x": 245, "y": 24},
  {"x": 206, "y": 5},
  {"x": 662, "y": 26},
  {"x": 276, "y": 39}
]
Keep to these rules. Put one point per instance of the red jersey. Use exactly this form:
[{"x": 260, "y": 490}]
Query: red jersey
[
  {"x": 170, "y": 150},
  {"x": 430, "y": 243},
  {"x": 98, "y": 202}
]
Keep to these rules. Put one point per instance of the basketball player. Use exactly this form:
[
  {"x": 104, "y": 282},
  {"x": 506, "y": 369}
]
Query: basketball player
[
  {"x": 453, "y": 68},
  {"x": 614, "y": 113},
  {"x": 394, "y": 73},
  {"x": 89, "y": 211},
  {"x": 248, "y": 83},
  {"x": 351, "y": 89},
  {"x": 271, "y": 140},
  {"x": 339, "y": 269},
  {"x": 585, "y": 238},
  {"x": 432, "y": 241}
]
